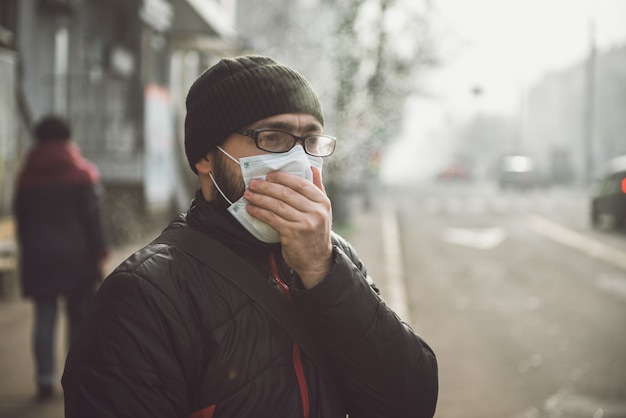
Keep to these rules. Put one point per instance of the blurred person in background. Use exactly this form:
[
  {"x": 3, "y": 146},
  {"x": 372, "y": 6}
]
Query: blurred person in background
[
  {"x": 60, "y": 236},
  {"x": 171, "y": 336}
]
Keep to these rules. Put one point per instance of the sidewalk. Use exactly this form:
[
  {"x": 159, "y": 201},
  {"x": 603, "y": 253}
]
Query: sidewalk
[
  {"x": 17, "y": 389},
  {"x": 17, "y": 384}
]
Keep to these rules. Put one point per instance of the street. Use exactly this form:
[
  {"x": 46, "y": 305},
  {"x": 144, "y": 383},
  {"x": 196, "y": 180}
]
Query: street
[{"x": 522, "y": 301}]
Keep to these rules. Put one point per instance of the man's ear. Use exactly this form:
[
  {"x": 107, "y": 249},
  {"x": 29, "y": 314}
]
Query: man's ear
[
  {"x": 204, "y": 167},
  {"x": 205, "y": 164}
]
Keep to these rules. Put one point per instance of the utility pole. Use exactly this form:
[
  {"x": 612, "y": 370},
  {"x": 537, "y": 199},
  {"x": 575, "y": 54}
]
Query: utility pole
[
  {"x": 521, "y": 145},
  {"x": 588, "y": 120}
]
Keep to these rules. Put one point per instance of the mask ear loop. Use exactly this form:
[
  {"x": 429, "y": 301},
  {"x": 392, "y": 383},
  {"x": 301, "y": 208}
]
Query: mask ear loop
[
  {"x": 213, "y": 179},
  {"x": 219, "y": 190},
  {"x": 227, "y": 154}
]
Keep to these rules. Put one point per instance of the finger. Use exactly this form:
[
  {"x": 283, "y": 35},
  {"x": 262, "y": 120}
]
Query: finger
[
  {"x": 301, "y": 185},
  {"x": 317, "y": 179},
  {"x": 291, "y": 190},
  {"x": 280, "y": 200}
]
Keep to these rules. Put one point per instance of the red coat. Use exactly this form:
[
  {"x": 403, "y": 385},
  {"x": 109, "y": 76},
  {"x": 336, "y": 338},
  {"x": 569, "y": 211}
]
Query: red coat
[{"x": 59, "y": 220}]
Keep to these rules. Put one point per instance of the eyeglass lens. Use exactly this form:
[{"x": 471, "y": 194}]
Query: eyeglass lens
[{"x": 277, "y": 141}]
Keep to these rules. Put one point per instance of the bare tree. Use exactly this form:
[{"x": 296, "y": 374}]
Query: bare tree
[
  {"x": 381, "y": 46},
  {"x": 364, "y": 56}
]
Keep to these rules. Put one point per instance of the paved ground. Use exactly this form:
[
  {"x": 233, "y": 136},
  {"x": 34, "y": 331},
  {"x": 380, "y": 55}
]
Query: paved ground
[
  {"x": 17, "y": 386},
  {"x": 17, "y": 390}
]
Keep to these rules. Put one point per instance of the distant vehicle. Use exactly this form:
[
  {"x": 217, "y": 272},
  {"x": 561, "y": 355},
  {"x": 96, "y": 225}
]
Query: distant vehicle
[
  {"x": 608, "y": 200},
  {"x": 518, "y": 172},
  {"x": 455, "y": 171}
]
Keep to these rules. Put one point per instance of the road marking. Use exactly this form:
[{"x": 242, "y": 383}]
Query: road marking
[
  {"x": 569, "y": 404},
  {"x": 615, "y": 285},
  {"x": 395, "y": 293},
  {"x": 580, "y": 242},
  {"x": 482, "y": 239}
]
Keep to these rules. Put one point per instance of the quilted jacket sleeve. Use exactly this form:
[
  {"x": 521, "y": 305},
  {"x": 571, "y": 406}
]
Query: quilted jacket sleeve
[
  {"x": 127, "y": 361},
  {"x": 383, "y": 367}
]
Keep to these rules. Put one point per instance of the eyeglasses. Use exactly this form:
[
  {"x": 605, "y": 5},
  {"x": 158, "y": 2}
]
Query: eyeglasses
[{"x": 279, "y": 141}]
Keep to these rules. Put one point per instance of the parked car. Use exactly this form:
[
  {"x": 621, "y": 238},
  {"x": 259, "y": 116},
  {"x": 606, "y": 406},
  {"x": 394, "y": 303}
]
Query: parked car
[
  {"x": 518, "y": 172},
  {"x": 608, "y": 200}
]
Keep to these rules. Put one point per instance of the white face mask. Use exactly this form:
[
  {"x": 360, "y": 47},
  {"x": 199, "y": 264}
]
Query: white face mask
[{"x": 295, "y": 161}]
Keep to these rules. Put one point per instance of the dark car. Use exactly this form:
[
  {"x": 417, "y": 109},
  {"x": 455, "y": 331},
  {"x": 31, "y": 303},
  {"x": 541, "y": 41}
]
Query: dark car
[{"x": 608, "y": 201}]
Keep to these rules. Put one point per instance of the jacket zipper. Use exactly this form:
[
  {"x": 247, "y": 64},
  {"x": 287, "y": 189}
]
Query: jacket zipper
[{"x": 297, "y": 361}]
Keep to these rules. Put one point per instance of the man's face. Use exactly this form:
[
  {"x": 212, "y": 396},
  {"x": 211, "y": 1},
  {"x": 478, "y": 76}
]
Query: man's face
[{"x": 227, "y": 173}]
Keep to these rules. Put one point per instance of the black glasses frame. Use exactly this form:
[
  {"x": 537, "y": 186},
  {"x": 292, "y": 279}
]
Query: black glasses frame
[{"x": 254, "y": 134}]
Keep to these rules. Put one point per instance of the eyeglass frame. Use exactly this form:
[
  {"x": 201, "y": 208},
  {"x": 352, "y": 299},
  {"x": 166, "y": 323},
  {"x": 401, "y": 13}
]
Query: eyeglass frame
[{"x": 254, "y": 134}]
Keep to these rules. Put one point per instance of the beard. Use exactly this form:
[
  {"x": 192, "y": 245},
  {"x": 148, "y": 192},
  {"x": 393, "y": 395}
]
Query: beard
[{"x": 228, "y": 180}]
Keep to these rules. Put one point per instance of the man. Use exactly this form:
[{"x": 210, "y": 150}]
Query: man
[
  {"x": 59, "y": 229},
  {"x": 170, "y": 336}
]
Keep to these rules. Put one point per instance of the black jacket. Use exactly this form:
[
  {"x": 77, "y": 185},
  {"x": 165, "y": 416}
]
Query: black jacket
[
  {"x": 169, "y": 337},
  {"x": 59, "y": 220}
]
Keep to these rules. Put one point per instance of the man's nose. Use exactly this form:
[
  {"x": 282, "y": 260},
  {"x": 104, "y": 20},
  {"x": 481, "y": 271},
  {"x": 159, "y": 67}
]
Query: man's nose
[{"x": 300, "y": 142}]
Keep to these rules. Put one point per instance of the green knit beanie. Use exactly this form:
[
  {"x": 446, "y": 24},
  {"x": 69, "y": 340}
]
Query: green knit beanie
[{"x": 236, "y": 92}]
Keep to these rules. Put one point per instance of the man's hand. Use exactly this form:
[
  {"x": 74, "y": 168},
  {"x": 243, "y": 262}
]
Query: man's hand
[{"x": 301, "y": 213}]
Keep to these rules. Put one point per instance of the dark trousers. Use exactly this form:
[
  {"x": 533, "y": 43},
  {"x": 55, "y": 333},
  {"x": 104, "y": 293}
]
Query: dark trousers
[{"x": 44, "y": 329}]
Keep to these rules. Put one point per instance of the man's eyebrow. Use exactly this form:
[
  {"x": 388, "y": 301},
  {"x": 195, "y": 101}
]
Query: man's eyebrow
[{"x": 287, "y": 126}]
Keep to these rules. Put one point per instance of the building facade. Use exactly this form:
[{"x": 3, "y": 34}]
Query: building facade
[
  {"x": 575, "y": 118},
  {"x": 118, "y": 71}
]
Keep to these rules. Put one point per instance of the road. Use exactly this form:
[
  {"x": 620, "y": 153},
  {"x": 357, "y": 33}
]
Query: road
[{"x": 522, "y": 301}]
